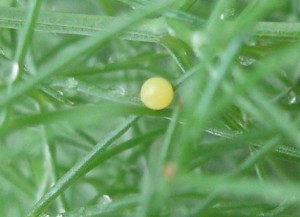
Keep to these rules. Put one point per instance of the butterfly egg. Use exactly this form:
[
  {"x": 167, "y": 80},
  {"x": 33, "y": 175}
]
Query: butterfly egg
[{"x": 157, "y": 93}]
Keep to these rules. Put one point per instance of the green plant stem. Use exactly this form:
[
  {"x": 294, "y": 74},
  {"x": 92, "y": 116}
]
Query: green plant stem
[
  {"x": 170, "y": 135},
  {"x": 27, "y": 32},
  {"x": 149, "y": 31},
  {"x": 50, "y": 160},
  {"x": 154, "y": 178}
]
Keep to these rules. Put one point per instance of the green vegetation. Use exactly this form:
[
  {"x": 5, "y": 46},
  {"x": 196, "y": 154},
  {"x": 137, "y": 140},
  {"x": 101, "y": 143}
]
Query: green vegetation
[{"x": 75, "y": 139}]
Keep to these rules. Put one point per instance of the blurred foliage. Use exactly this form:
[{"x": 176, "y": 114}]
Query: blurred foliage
[{"x": 75, "y": 139}]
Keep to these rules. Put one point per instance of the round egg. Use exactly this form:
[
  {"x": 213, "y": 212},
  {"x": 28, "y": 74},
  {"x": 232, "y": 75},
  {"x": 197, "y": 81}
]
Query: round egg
[{"x": 157, "y": 93}]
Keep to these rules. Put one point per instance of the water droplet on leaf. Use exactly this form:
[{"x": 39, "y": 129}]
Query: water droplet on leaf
[
  {"x": 44, "y": 215},
  {"x": 292, "y": 98},
  {"x": 117, "y": 91},
  {"x": 14, "y": 71},
  {"x": 8, "y": 71},
  {"x": 246, "y": 61},
  {"x": 104, "y": 201},
  {"x": 60, "y": 92},
  {"x": 71, "y": 83},
  {"x": 228, "y": 14},
  {"x": 171, "y": 31},
  {"x": 70, "y": 88}
]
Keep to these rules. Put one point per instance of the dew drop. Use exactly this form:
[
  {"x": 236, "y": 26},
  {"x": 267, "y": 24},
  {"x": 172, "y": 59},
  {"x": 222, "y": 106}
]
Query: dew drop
[
  {"x": 115, "y": 58},
  {"x": 14, "y": 71},
  {"x": 292, "y": 98},
  {"x": 171, "y": 31},
  {"x": 228, "y": 14},
  {"x": 91, "y": 62},
  {"x": 117, "y": 91},
  {"x": 44, "y": 215},
  {"x": 135, "y": 99},
  {"x": 9, "y": 71},
  {"x": 60, "y": 92},
  {"x": 71, "y": 83},
  {"x": 104, "y": 201},
  {"x": 222, "y": 16},
  {"x": 70, "y": 87},
  {"x": 246, "y": 61}
]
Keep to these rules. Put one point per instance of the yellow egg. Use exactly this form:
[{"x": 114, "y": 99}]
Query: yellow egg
[{"x": 157, "y": 93}]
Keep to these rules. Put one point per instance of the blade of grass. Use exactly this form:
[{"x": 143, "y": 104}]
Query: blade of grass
[
  {"x": 64, "y": 23},
  {"x": 27, "y": 32},
  {"x": 244, "y": 166},
  {"x": 23, "y": 187},
  {"x": 80, "y": 115},
  {"x": 242, "y": 187},
  {"x": 151, "y": 183},
  {"x": 171, "y": 12},
  {"x": 198, "y": 115},
  {"x": 256, "y": 157},
  {"x": 135, "y": 62},
  {"x": 80, "y": 168},
  {"x": 52, "y": 168},
  {"x": 149, "y": 32},
  {"x": 169, "y": 137},
  {"x": 109, "y": 153},
  {"x": 233, "y": 141},
  {"x": 271, "y": 67},
  {"x": 277, "y": 30},
  {"x": 273, "y": 116},
  {"x": 179, "y": 51},
  {"x": 55, "y": 95},
  {"x": 270, "y": 64}
]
